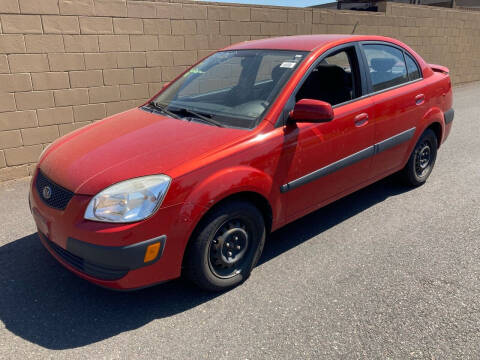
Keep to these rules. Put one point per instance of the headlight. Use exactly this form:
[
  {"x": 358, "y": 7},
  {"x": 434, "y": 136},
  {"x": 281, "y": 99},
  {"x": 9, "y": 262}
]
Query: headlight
[{"x": 129, "y": 201}]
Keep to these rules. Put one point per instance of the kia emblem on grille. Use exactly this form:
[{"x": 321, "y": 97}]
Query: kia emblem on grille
[{"x": 47, "y": 192}]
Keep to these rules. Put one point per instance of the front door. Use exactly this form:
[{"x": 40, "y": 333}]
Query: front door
[{"x": 335, "y": 156}]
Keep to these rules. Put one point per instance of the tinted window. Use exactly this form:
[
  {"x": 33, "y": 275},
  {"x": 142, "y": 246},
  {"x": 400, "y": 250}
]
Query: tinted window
[
  {"x": 386, "y": 65},
  {"x": 335, "y": 80},
  {"x": 413, "y": 70}
]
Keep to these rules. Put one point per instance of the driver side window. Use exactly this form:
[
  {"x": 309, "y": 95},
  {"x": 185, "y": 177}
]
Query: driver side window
[{"x": 335, "y": 80}]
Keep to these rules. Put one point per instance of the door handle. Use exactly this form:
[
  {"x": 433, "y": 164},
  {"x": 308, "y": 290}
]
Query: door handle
[
  {"x": 361, "y": 119},
  {"x": 419, "y": 99}
]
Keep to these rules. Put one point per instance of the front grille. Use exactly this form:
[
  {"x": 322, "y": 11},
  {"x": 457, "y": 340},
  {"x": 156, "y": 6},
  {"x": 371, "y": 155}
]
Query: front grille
[
  {"x": 97, "y": 271},
  {"x": 52, "y": 194}
]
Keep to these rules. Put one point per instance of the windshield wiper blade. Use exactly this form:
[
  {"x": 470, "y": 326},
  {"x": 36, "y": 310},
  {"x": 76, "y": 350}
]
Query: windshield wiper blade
[
  {"x": 163, "y": 109},
  {"x": 204, "y": 118}
]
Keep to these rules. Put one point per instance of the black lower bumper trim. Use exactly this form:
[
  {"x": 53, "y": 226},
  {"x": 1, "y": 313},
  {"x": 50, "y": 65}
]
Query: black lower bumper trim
[
  {"x": 105, "y": 262},
  {"x": 449, "y": 115}
]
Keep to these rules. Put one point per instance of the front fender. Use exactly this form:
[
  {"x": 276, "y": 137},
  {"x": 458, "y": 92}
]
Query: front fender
[{"x": 230, "y": 181}]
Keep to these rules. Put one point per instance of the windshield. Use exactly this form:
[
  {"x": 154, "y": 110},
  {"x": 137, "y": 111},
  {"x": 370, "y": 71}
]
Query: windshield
[{"x": 230, "y": 88}]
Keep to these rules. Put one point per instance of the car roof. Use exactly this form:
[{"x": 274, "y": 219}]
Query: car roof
[{"x": 301, "y": 42}]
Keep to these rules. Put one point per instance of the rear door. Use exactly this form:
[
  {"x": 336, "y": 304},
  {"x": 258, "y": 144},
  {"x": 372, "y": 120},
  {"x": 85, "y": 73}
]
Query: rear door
[{"x": 399, "y": 102}]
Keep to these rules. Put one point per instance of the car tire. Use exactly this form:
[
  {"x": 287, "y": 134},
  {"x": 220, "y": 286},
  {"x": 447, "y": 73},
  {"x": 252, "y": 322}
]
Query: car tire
[
  {"x": 421, "y": 161},
  {"x": 226, "y": 246}
]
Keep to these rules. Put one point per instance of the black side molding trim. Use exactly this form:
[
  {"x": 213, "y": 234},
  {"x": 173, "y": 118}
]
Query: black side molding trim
[
  {"x": 326, "y": 170},
  {"x": 350, "y": 160},
  {"x": 394, "y": 140},
  {"x": 449, "y": 115},
  {"x": 125, "y": 257}
]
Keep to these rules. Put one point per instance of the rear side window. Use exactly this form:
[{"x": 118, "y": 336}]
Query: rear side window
[
  {"x": 386, "y": 66},
  {"x": 412, "y": 67}
]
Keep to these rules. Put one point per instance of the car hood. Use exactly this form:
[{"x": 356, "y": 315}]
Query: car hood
[{"x": 127, "y": 145}]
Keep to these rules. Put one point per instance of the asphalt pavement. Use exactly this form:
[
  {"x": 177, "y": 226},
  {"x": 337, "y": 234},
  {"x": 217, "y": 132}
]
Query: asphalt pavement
[{"x": 388, "y": 272}]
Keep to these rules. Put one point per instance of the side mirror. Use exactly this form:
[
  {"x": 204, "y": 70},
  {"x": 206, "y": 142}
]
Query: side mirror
[{"x": 311, "y": 111}]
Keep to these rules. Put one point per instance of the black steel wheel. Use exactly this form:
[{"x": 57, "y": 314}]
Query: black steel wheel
[
  {"x": 421, "y": 161},
  {"x": 226, "y": 246}
]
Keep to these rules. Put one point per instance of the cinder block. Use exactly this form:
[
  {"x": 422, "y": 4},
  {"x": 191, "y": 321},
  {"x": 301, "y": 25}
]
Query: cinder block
[
  {"x": 3, "y": 163},
  {"x": 141, "y": 9},
  {"x": 10, "y": 139},
  {"x": 89, "y": 112},
  {"x": 100, "y": 61},
  {"x": 10, "y": 7},
  {"x": 70, "y": 97},
  {"x": 67, "y": 128},
  {"x": 208, "y": 27},
  {"x": 15, "y": 82},
  {"x": 17, "y": 120},
  {"x": 96, "y": 25},
  {"x": 12, "y": 44},
  {"x": 38, "y": 6},
  {"x": 183, "y": 27},
  {"x": 268, "y": 14},
  {"x": 28, "y": 62},
  {"x": 239, "y": 28},
  {"x": 109, "y": 43},
  {"x": 55, "y": 116},
  {"x": 118, "y": 76},
  {"x": 7, "y": 102},
  {"x": 238, "y": 13},
  {"x": 14, "y": 172},
  {"x": 81, "y": 43},
  {"x": 119, "y": 106},
  {"x": 194, "y": 11},
  {"x": 4, "y": 68},
  {"x": 76, "y": 7},
  {"x": 169, "y": 11},
  {"x": 295, "y": 16},
  {"x": 44, "y": 43},
  {"x": 171, "y": 42},
  {"x": 218, "y": 12},
  {"x": 65, "y": 62},
  {"x": 171, "y": 72},
  {"x": 40, "y": 135},
  {"x": 195, "y": 42},
  {"x": 21, "y": 24},
  {"x": 23, "y": 155},
  {"x": 159, "y": 58},
  {"x": 111, "y": 8},
  {"x": 157, "y": 26},
  {"x": 131, "y": 59},
  {"x": 86, "y": 78},
  {"x": 143, "y": 42},
  {"x": 147, "y": 75},
  {"x": 50, "y": 81},
  {"x": 218, "y": 41},
  {"x": 187, "y": 57},
  {"x": 133, "y": 92},
  {"x": 127, "y": 26},
  {"x": 103, "y": 94},
  {"x": 154, "y": 88},
  {"x": 34, "y": 100},
  {"x": 57, "y": 24}
]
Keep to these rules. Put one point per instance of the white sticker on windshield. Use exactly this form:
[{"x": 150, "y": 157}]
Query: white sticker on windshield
[{"x": 288, "y": 64}]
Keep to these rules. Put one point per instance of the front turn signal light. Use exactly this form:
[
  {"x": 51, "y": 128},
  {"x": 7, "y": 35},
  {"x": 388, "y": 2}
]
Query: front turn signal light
[{"x": 152, "y": 252}]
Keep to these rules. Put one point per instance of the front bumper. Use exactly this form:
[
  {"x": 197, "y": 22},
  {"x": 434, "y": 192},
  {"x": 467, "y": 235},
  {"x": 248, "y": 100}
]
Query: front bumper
[
  {"x": 105, "y": 262},
  {"x": 114, "y": 255}
]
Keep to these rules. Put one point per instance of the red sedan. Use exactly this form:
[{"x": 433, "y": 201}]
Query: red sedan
[{"x": 245, "y": 141}]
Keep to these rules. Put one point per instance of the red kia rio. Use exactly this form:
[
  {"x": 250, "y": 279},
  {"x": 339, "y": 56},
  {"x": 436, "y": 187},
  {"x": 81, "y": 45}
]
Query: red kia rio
[{"x": 245, "y": 141}]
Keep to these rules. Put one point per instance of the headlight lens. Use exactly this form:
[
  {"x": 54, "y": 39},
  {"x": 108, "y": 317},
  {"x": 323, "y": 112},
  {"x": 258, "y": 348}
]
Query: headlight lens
[{"x": 129, "y": 201}]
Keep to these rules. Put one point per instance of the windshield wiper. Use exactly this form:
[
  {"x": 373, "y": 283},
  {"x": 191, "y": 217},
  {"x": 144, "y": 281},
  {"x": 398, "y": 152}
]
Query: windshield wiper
[
  {"x": 163, "y": 108},
  {"x": 207, "y": 119}
]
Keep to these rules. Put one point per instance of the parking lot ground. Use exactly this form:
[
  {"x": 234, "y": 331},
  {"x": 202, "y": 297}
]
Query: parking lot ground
[{"x": 388, "y": 272}]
